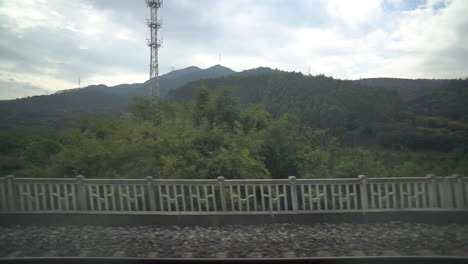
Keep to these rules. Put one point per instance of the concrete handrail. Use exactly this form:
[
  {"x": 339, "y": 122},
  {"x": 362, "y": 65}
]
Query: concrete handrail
[{"x": 252, "y": 195}]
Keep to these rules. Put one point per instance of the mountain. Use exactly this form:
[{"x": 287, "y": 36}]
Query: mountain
[
  {"x": 56, "y": 110},
  {"x": 356, "y": 113},
  {"x": 409, "y": 89}
]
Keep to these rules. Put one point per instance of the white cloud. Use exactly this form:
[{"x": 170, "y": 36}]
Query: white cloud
[
  {"x": 356, "y": 12},
  {"x": 103, "y": 41}
]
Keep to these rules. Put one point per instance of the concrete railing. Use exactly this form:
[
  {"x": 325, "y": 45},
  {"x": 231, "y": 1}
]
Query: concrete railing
[{"x": 289, "y": 195}]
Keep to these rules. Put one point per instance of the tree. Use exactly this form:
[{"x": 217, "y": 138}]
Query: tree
[
  {"x": 227, "y": 109},
  {"x": 202, "y": 106},
  {"x": 144, "y": 109}
]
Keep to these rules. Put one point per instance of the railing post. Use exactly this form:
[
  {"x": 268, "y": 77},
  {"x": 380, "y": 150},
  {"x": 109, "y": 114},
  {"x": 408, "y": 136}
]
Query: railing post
[
  {"x": 151, "y": 197},
  {"x": 432, "y": 190},
  {"x": 459, "y": 199},
  {"x": 448, "y": 194},
  {"x": 363, "y": 190},
  {"x": 293, "y": 185},
  {"x": 82, "y": 205},
  {"x": 11, "y": 192},
  {"x": 222, "y": 193}
]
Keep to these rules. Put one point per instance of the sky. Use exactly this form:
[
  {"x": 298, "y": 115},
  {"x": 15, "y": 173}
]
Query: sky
[{"x": 48, "y": 45}]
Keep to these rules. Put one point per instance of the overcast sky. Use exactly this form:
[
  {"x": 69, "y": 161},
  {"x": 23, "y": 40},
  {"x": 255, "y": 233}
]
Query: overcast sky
[{"x": 46, "y": 45}]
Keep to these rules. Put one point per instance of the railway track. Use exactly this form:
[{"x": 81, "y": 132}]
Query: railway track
[
  {"x": 230, "y": 255},
  {"x": 231, "y": 243}
]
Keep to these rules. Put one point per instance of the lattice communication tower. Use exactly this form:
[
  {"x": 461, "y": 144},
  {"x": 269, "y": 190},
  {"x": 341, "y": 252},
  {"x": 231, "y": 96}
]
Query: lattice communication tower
[{"x": 154, "y": 23}]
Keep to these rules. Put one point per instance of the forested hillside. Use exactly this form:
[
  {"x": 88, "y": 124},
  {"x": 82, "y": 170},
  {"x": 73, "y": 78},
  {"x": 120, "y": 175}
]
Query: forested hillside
[
  {"x": 255, "y": 124},
  {"x": 357, "y": 114}
]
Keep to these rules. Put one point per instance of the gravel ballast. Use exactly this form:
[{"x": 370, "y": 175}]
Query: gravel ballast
[{"x": 237, "y": 241}]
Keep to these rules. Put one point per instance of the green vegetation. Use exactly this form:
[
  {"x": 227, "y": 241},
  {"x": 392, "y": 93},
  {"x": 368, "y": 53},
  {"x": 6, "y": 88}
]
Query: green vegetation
[{"x": 266, "y": 124}]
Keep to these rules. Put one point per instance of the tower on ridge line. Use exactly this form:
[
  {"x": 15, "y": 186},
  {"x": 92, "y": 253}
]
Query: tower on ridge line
[{"x": 154, "y": 23}]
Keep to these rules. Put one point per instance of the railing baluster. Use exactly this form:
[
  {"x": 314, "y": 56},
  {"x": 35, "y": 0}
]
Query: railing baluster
[
  {"x": 104, "y": 196},
  {"x": 239, "y": 197},
  {"x": 198, "y": 197},
  {"x": 73, "y": 196},
  {"x": 213, "y": 193},
  {"x": 254, "y": 189},
  {"x": 168, "y": 197},
  {"x": 416, "y": 195},
  {"x": 466, "y": 193},
  {"x": 143, "y": 198},
  {"x": 112, "y": 194},
  {"x": 402, "y": 196},
  {"x": 317, "y": 195},
  {"x": 121, "y": 197},
  {"x": 29, "y": 196},
  {"x": 270, "y": 201},
  {"x": 424, "y": 192},
  {"x": 176, "y": 198},
  {"x": 66, "y": 195},
  {"x": 247, "y": 199},
  {"x": 128, "y": 197},
  {"x": 379, "y": 193},
  {"x": 59, "y": 196},
  {"x": 340, "y": 196},
  {"x": 160, "y": 195},
  {"x": 51, "y": 198},
  {"x": 355, "y": 196},
  {"x": 3, "y": 196},
  {"x": 303, "y": 198},
  {"x": 372, "y": 194},
  {"x": 207, "y": 198},
  {"x": 184, "y": 206},
  {"x": 37, "y": 198},
  {"x": 231, "y": 193},
  {"x": 98, "y": 196},
  {"x": 332, "y": 193},
  {"x": 458, "y": 185},
  {"x": 91, "y": 198},
  {"x": 348, "y": 197},
  {"x": 387, "y": 195},
  {"x": 262, "y": 196},
  {"x": 432, "y": 185},
  {"x": 21, "y": 197},
  {"x": 311, "y": 202},
  {"x": 408, "y": 195},
  {"x": 394, "y": 196},
  {"x": 285, "y": 191},
  {"x": 135, "y": 198},
  {"x": 325, "y": 192},
  {"x": 192, "y": 206},
  {"x": 278, "y": 200}
]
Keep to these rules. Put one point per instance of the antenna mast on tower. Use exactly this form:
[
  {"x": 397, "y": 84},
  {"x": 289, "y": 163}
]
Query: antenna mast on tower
[{"x": 154, "y": 23}]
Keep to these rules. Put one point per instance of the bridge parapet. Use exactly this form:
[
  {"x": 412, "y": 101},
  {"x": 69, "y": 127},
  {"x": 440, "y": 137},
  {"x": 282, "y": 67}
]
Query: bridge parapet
[{"x": 360, "y": 194}]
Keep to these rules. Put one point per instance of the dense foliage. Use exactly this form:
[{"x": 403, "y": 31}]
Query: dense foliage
[
  {"x": 204, "y": 138},
  {"x": 266, "y": 124},
  {"x": 358, "y": 114}
]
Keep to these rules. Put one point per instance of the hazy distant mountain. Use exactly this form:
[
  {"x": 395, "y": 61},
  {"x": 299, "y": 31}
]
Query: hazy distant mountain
[{"x": 95, "y": 100}]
